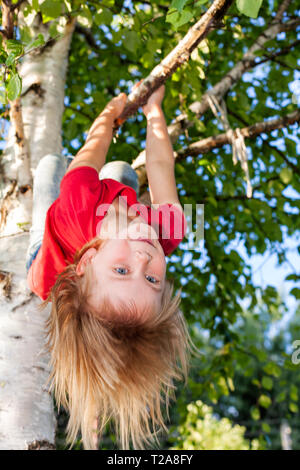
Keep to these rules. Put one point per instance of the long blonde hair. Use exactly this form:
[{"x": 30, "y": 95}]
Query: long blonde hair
[{"x": 114, "y": 364}]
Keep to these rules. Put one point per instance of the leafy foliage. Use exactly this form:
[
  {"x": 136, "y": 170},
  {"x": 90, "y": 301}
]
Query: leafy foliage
[{"x": 202, "y": 431}]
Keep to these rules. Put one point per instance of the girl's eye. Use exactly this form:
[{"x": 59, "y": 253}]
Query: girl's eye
[
  {"x": 152, "y": 280},
  {"x": 123, "y": 271}
]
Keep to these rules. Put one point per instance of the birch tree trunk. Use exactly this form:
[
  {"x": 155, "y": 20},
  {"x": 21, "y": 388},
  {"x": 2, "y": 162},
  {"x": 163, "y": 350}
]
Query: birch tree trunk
[{"x": 26, "y": 408}]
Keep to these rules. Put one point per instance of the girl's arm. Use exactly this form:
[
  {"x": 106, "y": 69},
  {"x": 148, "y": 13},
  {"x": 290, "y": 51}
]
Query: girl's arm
[
  {"x": 160, "y": 162},
  {"x": 97, "y": 143}
]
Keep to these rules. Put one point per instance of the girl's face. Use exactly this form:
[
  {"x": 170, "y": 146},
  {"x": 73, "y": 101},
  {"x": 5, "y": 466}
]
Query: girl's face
[{"x": 127, "y": 269}]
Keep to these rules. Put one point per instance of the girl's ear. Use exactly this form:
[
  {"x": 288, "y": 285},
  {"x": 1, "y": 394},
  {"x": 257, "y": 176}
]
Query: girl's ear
[{"x": 84, "y": 260}]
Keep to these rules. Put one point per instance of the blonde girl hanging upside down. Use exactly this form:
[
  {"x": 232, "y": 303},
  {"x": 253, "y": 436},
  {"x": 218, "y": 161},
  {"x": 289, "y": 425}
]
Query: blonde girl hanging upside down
[{"x": 116, "y": 336}]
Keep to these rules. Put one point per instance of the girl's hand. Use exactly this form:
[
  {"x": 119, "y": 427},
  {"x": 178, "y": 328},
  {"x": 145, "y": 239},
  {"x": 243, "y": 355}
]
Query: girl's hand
[
  {"x": 116, "y": 105},
  {"x": 154, "y": 100}
]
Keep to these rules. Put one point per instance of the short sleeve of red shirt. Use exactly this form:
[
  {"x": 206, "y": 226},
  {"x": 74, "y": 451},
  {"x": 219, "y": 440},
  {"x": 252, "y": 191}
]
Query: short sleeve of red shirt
[{"x": 73, "y": 220}]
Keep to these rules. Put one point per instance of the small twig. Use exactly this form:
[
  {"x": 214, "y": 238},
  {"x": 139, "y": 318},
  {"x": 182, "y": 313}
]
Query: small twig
[
  {"x": 153, "y": 19},
  {"x": 79, "y": 112}
]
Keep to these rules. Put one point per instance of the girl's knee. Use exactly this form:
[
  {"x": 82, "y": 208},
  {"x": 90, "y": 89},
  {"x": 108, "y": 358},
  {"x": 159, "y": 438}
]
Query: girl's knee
[
  {"x": 52, "y": 164},
  {"x": 52, "y": 158}
]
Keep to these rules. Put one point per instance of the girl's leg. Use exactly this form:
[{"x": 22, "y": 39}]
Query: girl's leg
[
  {"x": 46, "y": 186},
  {"x": 122, "y": 172}
]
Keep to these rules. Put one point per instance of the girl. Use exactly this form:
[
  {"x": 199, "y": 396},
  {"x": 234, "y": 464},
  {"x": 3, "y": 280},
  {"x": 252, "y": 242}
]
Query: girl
[{"x": 116, "y": 336}]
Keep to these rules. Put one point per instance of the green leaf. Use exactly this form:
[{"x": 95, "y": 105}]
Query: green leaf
[
  {"x": 25, "y": 34},
  {"x": 294, "y": 393},
  {"x": 39, "y": 41},
  {"x": 104, "y": 16},
  {"x": 15, "y": 47},
  {"x": 178, "y": 4},
  {"x": 131, "y": 41},
  {"x": 3, "y": 96},
  {"x": 292, "y": 277},
  {"x": 286, "y": 175},
  {"x": 178, "y": 19},
  {"x": 293, "y": 407},
  {"x": 212, "y": 201},
  {"x": 264, "y": 401},
  {"x": 267, "y": 383},
  {"x": 200, "y": 2},
  {"x": 295, "y": 292},
  {"x": 14, "y": 87},
  {"x": 272, "y": 369},
  {"x": 10, "y": 59},
  {"x": 281, "y": 396},
  {"x": 50, "y": 9},
  {"x": 184, "y": 18},
  {"x": 172, "y": 16},
  {"x": 266, "y": 427},
  {"x": 35, "y": 5},
  {"x": 255, "y": 413},
  {"x": 204, "y": 162},
  {"x": 249, "y": 7}
]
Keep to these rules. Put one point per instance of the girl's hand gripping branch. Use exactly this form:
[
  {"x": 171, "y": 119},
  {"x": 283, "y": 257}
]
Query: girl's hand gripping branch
[{"x": 97, "y": 143}]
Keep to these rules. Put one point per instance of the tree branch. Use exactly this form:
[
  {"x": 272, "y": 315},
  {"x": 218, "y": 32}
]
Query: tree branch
[
  {"x": 265, "y": 142},
  {"x": 281, "y": 9},
  {"x": 208, "y": 144},
  {"x": 175, "y": 58},
  {"x": 282, "y": 155},
  {"x": 283, "y": 51},
  {"x": 224, "y": 85}
]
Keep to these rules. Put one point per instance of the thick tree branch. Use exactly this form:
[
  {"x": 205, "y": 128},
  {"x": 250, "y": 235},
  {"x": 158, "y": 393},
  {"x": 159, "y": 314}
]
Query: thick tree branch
[
  {"x": 179, "y": 55},
  {"x": 265, "y": 142},
  {"x": 208, "y": 144}
]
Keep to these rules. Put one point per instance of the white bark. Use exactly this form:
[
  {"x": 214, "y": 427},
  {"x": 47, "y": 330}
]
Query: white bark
[
  {"x": 43, "y": 80},
  {"x": 26, "y": 408}
]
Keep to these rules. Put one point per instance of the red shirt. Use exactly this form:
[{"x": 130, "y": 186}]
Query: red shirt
[{"x": 75, "y": 218}]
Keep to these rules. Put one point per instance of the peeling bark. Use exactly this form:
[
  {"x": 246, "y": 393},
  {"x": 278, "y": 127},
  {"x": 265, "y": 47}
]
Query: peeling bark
[{"x": 41, "y": 445}]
